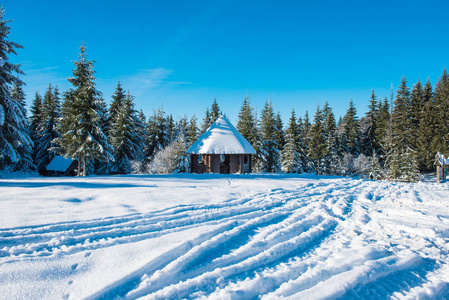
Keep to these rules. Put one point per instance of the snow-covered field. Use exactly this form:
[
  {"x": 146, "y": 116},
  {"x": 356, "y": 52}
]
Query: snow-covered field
[{"x": 222, "y": 237}]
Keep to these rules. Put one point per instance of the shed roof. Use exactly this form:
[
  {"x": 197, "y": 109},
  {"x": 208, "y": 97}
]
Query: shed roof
[
  {"x": 59, "y": 163},
  {"x": 221, "y": 138}
]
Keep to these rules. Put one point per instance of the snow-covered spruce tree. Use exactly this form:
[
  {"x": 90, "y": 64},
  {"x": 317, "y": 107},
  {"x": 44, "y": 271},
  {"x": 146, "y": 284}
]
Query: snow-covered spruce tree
[
  {"x": 124, "y": 137},
  {"x": 370, "y": 142},
  {"x": 47, "y": 132},
  {"x": 171, "y": 159},
  {"x": 280, "y": 138},
  {"x": 141, "y": 127},
  {"x": 207, "y": 121},
  {"x": 25, "y": 150},
  {"x": 383, "y": 123},
  {"x": 35, "y": 119},
  {"x": 317, "y": 143},
  {"x": 157, "y": 134},
  {"x": 192, "y": 132},
  {"x": 426, "y": 130},
  {"x": 246, "y": 123},
  {"x": 83, "y": 118},
  {"x": 291, "y": 157},
  {"x": 351, "y": 133},
  {"x": 440, "y": 141},
  {"x": 331, "y": 160},
  {"x": 305, "y": 129},
  {"x": 117, "y": 99},
  {"x": 215, "y": 112},
  {"x": 375, "y": 170},
  {"x": 269, "y": 157},
  {"x": 15, "y": 141}
]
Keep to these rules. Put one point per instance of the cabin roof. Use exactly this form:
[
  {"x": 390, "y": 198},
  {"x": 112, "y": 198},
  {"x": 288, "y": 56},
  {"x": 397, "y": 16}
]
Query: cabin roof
[
  {"x": 221, "y": 138},
  {"x": 441, "y": 160},
  {"x": 59, "y": 163}
]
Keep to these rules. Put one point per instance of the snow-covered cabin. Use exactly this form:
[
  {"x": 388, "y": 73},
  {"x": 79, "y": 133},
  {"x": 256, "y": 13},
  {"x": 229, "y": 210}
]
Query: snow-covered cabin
[
  {"x": 60, "y": 166},
  {"x": 442, "y": 165},
  {"x": 221, "y": 149}
]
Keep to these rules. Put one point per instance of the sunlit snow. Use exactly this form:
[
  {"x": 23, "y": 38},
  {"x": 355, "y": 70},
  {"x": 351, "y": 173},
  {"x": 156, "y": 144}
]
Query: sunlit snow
[{"x": 222, "y": 237}]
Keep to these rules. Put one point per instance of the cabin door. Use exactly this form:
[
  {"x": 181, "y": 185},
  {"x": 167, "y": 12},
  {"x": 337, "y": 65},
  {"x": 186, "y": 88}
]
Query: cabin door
[{"x": 225, "y": 164}]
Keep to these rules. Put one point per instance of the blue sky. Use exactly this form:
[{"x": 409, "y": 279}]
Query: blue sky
[{"x": 183, "y": 54}]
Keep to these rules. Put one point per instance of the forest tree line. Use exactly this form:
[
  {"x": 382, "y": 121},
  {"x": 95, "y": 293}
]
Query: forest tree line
[{"x": 396, "y": 139}]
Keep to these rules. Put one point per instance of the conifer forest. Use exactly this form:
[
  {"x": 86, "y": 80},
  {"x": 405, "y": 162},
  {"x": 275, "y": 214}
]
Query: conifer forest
[{"x": 396, "y": 139}]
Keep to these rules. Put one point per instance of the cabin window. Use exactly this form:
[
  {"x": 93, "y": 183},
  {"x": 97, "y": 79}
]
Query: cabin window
[
  {"x": 245, "y": 160},
  {"x": 200, "y": 159}
]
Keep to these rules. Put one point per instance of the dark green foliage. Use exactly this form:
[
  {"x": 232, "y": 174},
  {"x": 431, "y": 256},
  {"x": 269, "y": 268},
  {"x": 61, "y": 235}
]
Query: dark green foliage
[
  {"x": 192, "y": 132},
  {"x": 351, "y": 132},
  {"x": 125, "y": 137},
  {"x": 83, "y": 118},
  {"x": 246, "y": 123},
  {"x": 317, "y": 142},
  {"x": 158, "y": 136},
  {"x": 46, "y": 130},
  {"x": 292, "y": 152},
  {"x": 331, "y": 160},
  {"x": 370, "y": 138},
  {"x": 214, "y": 112},
  {"x": 269, "y": 159},
  {"x": 441, "y": 96}
]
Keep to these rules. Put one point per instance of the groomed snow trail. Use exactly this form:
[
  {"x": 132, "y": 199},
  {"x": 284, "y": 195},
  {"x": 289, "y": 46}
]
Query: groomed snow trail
[{"x": 317, "y": 239}]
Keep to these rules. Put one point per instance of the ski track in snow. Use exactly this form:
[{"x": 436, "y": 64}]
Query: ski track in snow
[{"x": 345, "y": 238}]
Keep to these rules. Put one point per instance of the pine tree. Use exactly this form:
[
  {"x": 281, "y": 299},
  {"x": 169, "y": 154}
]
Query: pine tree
[
  {"x": 441, "y": 96},
  {"x": 141, "y": 127},
  {"x": 280, "y": 139},
  {"x": 269, "y": 159},
  {"x": 171, "y": 128},
  {"x": 15, "y": 141},
  {"x": 317, "y": 142},
  {"x": 35, "y": 120},
  {"x": 426, "y": 130},
  {"x": 400, "y": 118},
  {"x": 207, "y": 121},
  {"x": 246, "y": 123},
  {"x": 157, "y": 134},
  {"x": 383, "y": 124},
  {"x": 214, "y": 112},
  {"x": 192, "y": 133},
  {"x": 117, "y": 99},
  {"x": 331, "y": 160},
  {"x": 370, "y": 141},
  {"x": 47, "y": 132},
  {"x": 291, "y": 154},
  {"x": 81, "y": 128},
  {"x": 125, "y": 137},
  {"x": 351, "y": 134}
]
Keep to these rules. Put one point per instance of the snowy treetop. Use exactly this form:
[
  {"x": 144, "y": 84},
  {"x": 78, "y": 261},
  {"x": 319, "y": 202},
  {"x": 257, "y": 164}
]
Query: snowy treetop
[{"x": 221, "y": 138}]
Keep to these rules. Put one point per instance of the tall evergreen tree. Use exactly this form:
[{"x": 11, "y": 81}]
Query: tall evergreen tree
[
  {"x": 317, "y": 142},
  {"x": 35, "y": 120},
  {"x": 158, "y": 136},
  {"x": 441, "y": 96},
  {"x": 207, "y": 121},
  {"x": 47, "y": 132},
  {"x": 269, "y": 159},
  {"x": 246, "y": 123},
  {"x": 192, "y": 133},
  {"x": 214, "y": 112},
  {"x": 125, "y": 137},
  {"x": 291, "y": 154},
  {"x": 15, "y": 141},
  {"x": 400, "y": 118},
  {"x": 383, "y": 124},
  {"x": 330, "y": 164},
  {"x": 280, "y": 138},
  {"x": 370, "y": 142},
  {"x": 426, "y": 130},
  {"x": 141, "y": 127},
  {"x": 117, "y": 99},
  {"x": 81, "y": 128},
  {"x": 351, "y": 134}
]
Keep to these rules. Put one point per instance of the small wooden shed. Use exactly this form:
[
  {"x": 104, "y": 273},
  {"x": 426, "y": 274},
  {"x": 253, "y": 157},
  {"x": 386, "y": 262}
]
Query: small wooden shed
[
  {"x": 442, "y": 165},
  {"x": 221, "y": 149},
  {"x": 60, "y": 166}
]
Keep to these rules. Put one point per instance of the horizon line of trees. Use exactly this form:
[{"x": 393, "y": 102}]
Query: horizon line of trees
[{"x": 394, "y": 140}]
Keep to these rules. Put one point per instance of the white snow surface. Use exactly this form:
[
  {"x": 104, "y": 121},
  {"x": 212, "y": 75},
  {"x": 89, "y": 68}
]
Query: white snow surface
[
  {"x": 211, "y": 236},
  {"x": 221, "y": 138}
]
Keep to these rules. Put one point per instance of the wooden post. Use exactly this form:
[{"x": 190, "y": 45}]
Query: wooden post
[{"x": 438, "y": 174}]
